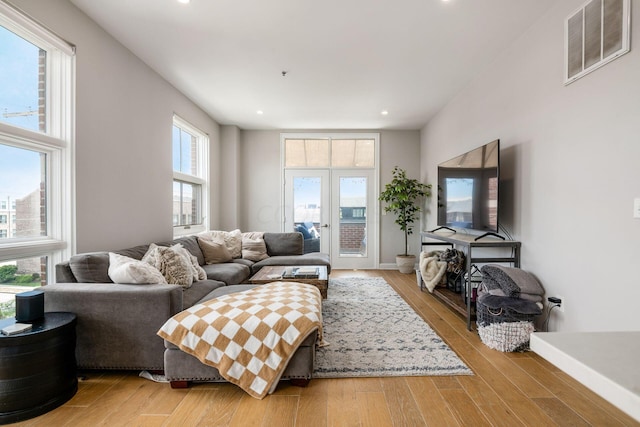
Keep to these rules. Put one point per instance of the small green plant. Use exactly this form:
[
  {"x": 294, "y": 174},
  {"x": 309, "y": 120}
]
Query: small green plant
[
  {"x": 27, "y": 279},
  {"x": 402, "y": 195},
  {"x": 8, "y": 273}
]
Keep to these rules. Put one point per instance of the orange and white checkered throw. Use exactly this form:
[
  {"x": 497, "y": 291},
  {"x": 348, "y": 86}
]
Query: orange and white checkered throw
[{"x": 249, "y": 336}]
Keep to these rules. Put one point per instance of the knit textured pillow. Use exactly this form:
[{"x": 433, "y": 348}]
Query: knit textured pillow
[
  {"x": 175, "y": 267},
  {"x": 197, "y": 271}
]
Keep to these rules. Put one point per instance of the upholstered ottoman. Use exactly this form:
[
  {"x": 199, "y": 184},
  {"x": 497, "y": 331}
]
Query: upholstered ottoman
[{"x": 181, "y": 368}]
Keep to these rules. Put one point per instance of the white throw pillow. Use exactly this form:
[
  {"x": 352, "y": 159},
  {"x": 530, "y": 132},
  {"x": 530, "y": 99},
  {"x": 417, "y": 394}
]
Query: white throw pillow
[
  {"x": 254, "y": 249},
  {"x": 123, "y": 269}
]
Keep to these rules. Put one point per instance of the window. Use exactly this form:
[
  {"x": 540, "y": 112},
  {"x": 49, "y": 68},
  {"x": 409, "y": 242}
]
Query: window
[
  {"x": 3, "y": 219},
  {"x": 36, "y": 144},
  {"x": 329, "y": 152},
  {"x": 358, "y": 212},
  {"x": 26, "y": 273},
  {"x": 190, "y": 177}
]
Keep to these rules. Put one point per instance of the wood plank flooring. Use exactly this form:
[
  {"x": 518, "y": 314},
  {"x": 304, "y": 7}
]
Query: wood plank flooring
[{"x": 508, "y": 389}]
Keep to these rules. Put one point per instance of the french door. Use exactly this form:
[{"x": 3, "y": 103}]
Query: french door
[{"x": 338, "y": 209}]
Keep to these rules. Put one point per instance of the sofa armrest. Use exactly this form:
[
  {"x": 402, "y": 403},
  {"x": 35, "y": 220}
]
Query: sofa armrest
[
  {"x": 117, "y": 323},
  {"x": 64, "y": 273}
]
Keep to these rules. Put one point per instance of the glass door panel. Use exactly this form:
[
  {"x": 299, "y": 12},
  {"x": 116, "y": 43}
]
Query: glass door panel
[
  {"x": 353, "y": 216},
  {"x": 353, "y": 233},
  {"x": 306, "y": 205}
]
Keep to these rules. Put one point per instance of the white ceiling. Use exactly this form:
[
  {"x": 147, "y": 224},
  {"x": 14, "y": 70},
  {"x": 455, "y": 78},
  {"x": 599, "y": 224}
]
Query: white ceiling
[{"x": 346, "y": 60}]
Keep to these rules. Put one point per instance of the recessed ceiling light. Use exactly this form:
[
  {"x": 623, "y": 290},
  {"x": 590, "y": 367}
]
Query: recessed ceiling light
[
  {"x": 384, "y": 112},
  {"x": 184, "y": 1},
  {"x": 259, "y": 112}
]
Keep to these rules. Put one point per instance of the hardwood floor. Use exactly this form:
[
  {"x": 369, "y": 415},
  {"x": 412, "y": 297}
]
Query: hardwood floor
[{"x": 508, "y": 389}]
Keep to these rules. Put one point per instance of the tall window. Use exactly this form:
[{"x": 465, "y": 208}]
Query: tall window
[
  {"x": 36, "y": 143},
  {"x": 190, "y": 177}
]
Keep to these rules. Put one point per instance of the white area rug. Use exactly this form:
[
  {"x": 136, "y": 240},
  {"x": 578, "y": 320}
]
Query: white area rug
[{"x": 373, "y": 332}]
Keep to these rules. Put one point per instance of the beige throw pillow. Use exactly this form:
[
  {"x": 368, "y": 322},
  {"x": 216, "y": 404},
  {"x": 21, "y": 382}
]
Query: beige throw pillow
[
  {"x": 254, "y": 249},
  {"x": 174, "y": 266},
  {"x": 231, "y": 239},
  {"x": 123, "y": 269},
  {"x": 214, "y": 251}
]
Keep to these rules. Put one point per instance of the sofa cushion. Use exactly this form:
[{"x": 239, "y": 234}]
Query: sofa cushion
[
  {"x": 123, "y": 269},
  {"x": 243, "y": 261},
  {"x": 214, "y": 251},
  {"x": 195, "y": 293},
  {"x": 136, "y": 252},
  {"x": 230, "y": 273},
  {"x": 284, "y": 243},
  {"x": 305, "y": 232},
  {"x": 91, "y": 267}
]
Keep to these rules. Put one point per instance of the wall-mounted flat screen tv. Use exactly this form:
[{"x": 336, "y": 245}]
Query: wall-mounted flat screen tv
[{"x": 468, "y": 189}]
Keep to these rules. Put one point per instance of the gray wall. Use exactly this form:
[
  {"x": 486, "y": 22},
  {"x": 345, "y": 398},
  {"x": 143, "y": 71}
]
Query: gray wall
[
  {"x": 570, "y": 168},
  {"x": 123, "y": 135},
  {"x": 230, "y": 171},
  {"x": 260, "y": 182}
]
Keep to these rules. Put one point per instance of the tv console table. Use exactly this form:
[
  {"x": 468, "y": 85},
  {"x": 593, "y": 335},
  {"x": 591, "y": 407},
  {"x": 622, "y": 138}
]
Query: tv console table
[{"x": 470, "y": 245}]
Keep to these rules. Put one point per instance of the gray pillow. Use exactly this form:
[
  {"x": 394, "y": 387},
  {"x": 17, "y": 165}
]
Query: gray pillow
[{"x": 91, "y": 267}]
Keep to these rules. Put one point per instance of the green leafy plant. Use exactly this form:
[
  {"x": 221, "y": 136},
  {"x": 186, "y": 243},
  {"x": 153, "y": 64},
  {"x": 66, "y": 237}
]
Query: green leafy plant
[
  {"x": 402, "y": 196},
  {"x": 8, "y": 273}
]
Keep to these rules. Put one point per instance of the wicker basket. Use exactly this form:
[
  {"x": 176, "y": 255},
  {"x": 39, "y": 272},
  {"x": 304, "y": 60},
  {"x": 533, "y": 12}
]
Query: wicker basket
[{"x": 504, "y": 329}]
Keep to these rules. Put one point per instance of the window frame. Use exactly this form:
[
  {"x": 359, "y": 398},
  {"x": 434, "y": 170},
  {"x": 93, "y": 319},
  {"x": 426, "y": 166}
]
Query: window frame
[
  {"x": 201, "y": 180},
  {"x": 57, "y": 142}
]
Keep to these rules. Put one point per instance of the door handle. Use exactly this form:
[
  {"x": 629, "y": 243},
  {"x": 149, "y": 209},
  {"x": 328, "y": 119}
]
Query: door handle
[{"x": 325, "y": 225}]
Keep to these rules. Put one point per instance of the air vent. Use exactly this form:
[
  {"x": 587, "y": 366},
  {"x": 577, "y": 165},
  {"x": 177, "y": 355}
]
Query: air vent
[{"x": 596, "y": 34}]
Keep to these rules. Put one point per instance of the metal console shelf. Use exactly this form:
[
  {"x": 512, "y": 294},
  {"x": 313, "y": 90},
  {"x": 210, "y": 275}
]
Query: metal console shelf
[{"x": 469, "y": 244}]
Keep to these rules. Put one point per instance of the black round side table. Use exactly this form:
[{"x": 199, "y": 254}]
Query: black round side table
[{"x": 37, "y": 367}]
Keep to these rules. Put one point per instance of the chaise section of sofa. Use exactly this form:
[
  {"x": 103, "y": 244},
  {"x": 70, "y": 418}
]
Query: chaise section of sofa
[
  {"x": 117, "y": 323},
  {"x": 181, "y": 368}
]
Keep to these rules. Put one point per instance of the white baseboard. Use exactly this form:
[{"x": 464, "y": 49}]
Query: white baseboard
[
  {"x": 391, "y": 266},
  {"x": 388, "y": 266},
  {"x": 605, "y": 362}
]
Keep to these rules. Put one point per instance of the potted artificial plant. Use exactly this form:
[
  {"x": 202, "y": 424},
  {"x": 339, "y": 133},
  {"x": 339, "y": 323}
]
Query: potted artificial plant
[{"x": 402, "y": 196}]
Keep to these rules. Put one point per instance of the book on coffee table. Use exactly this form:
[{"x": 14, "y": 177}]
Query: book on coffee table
[{"x": 307, "y": 273}]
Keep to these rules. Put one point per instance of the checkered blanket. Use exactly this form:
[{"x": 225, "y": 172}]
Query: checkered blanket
[{"x": 249, "y": 336}]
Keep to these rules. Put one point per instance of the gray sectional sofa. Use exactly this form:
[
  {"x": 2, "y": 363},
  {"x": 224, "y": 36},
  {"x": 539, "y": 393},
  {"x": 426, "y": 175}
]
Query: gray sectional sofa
[{"x": 117, "y": 323}]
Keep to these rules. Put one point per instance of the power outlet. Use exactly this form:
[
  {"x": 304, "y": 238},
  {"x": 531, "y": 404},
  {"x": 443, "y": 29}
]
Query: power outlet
[
  {"x": 636, "y": 207},
  {"x": 562, "y": 304}
]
